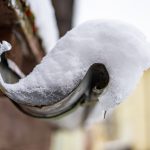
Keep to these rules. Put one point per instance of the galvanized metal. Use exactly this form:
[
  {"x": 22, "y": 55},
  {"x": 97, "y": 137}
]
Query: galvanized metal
[{"x": 85, "y": 94}]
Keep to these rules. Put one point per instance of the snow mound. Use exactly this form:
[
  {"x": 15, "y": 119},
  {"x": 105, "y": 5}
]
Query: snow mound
[{"x": 123, "y": 50}]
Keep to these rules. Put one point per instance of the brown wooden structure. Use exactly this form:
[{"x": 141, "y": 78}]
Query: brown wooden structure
[{"x": 18, "y": 131}]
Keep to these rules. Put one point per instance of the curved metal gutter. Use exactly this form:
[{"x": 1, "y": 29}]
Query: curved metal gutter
[{"x": 85, "y": 94}]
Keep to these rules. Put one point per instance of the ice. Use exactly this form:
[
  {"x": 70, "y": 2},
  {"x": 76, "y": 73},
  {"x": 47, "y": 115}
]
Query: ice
[
  {"x": 4, "y": 46},
  {"x": 122, "y": 48}
]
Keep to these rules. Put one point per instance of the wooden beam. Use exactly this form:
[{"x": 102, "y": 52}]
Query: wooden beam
[{"x": 64, "y": 14}]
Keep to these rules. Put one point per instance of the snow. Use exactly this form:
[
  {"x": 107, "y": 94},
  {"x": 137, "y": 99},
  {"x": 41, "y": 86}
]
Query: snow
[{"x": 122, "y": 48}]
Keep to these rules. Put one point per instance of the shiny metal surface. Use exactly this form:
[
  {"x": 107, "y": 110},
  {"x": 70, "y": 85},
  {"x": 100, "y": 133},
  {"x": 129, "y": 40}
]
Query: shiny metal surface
[{"x": 85, "y": 94}]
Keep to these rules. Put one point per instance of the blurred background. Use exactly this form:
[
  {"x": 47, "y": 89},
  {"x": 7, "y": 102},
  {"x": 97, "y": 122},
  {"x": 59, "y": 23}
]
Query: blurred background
[{"x": 33, "y": 27}]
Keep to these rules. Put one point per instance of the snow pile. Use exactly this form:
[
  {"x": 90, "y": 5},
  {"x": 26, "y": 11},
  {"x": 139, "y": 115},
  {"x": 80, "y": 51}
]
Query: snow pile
[{"x": 121, "y": 48}]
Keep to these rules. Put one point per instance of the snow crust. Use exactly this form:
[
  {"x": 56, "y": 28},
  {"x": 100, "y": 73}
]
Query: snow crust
[{"x": 123, "y": 49}]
